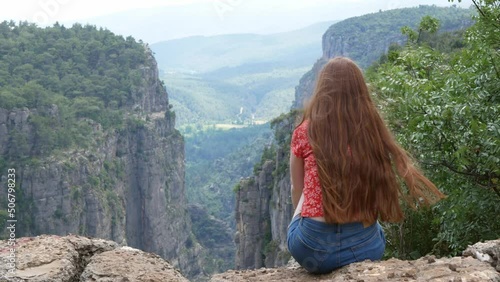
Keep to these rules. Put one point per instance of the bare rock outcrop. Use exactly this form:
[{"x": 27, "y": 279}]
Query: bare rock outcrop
[
  {"x": 488, "y": 251},
  {"x": 477, "y": 264},
  {"x": 77, "y": 258}
]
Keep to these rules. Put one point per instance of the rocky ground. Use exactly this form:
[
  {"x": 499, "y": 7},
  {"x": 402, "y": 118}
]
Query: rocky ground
[
  {"x": 425, "y": 269},
  {"x": 77, "y": 258}
]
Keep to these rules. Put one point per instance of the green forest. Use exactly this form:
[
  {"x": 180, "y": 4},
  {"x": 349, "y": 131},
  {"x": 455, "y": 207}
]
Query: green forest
[
  {"x": 236, "y": 78},
  {"x": 440, "y": 93},
  {"x": 216, "y": 160},
  {"x": 70, "y": 76},
  {"x": 236, "y": 96}
]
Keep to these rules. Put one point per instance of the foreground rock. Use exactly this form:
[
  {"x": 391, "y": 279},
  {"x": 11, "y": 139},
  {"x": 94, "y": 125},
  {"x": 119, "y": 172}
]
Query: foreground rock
[
  {"x": 76, "y": 258},
  {"x": 479, "y": 263}
]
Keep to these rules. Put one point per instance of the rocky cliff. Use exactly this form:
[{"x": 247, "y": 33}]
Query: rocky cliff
[
  {"x": 128, "y": 187},
  {"x": 264, "y": 209},
  {"x": 365, "y": 38},
  {"x": 76, "y": 258}
]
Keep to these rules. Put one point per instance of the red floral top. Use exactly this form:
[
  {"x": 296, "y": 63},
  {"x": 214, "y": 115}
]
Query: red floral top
[{"x": 312, "y": 206}]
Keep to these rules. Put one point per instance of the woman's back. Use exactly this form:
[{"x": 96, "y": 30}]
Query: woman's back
[
  {"x": 359, "y": 162},
  {"x": 346, "y": 169}
]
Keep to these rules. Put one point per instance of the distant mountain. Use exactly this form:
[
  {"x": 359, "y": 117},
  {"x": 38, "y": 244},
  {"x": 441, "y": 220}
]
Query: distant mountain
[
  {"x": 232, "y": 78},
  {"x": 157, "y": 24},
  {"x": 203, "y": 54},
  {"x": 179, "y": 19}
]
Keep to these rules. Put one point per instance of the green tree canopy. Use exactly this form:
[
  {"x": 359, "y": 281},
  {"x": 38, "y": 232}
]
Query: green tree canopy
[{"x": 80, "y": 72}]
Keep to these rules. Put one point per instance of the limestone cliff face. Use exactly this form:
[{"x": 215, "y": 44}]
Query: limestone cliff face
[
  {"x": 264, "y": 209},
  {"x": 305, "y": 89},
  {"x": 342, "y": 39},
  {"x": 252, "y": 218},
  {"x": 365, "y": 38},
  {"x": 128, "y": 187}
]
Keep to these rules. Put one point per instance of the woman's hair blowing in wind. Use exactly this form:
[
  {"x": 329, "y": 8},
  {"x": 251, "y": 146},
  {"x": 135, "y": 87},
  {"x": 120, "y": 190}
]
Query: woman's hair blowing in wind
[{"x": 360, "y": 164}]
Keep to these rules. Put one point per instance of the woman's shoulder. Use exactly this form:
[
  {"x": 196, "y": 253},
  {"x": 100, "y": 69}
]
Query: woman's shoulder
[
  {"x": 301, "y": 129},
  {"x": 300, "y": 133},
  {"x": 303, "y": 125},
  {"x": 300, "y": 140}
]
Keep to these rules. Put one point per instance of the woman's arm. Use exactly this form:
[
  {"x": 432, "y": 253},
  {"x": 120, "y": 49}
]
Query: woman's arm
[{"x": 297, "y": 178}]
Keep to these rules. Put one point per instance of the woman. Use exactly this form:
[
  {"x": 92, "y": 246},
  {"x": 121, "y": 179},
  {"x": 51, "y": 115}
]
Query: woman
[{"x": 345, "y": 170}]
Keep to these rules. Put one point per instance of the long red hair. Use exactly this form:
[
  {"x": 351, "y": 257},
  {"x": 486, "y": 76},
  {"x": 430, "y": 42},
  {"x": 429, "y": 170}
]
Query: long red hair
[{"x": 360, "y": 164}]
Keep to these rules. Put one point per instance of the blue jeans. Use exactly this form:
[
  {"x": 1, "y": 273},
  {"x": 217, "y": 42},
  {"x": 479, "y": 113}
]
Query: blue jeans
[{"x": 321, "y": 248}]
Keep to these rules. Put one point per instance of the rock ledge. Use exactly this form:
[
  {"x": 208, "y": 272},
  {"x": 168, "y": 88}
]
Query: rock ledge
[
  {"x": 77, "y": 258},
  {"x": 479, "y": 263}
]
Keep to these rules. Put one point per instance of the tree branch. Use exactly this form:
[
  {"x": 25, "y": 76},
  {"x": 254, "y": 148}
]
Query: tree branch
[
  {"x": 453, "y": 169},
  {"x": 494, "y": 66},
  {"x": 477, "y": 177},
  {"x": 495, "y": 189},
  {"x": 479, "y": 9},
  {"x": 484, "y": 14}
]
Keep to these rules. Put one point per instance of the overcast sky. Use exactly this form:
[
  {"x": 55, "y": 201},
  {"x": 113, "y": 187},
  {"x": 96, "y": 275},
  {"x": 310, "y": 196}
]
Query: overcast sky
[{"x": 205, "y": 17}]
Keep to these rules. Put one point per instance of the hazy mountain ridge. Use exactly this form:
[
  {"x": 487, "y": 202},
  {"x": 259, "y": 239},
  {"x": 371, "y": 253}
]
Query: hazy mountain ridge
[
  {"x": 249, "y": 72},
  {"x": 210, "y": 53},
  {"x": 153, "y": 25}
]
